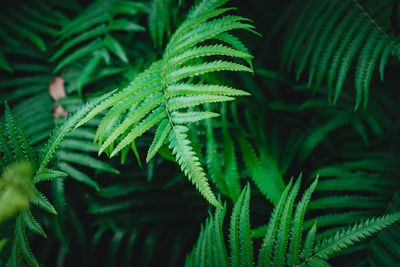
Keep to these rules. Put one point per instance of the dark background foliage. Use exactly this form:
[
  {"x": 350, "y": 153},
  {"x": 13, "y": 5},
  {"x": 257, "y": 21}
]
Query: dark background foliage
[{"x": 148, "y": 214}]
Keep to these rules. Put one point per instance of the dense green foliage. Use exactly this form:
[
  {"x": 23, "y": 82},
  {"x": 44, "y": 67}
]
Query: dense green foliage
[{"x": 109, "y": 107}]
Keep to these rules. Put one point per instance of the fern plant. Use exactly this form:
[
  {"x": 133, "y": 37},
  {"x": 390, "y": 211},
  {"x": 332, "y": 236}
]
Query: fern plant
[
  {"x": 16, "y": 147},
  {"x": 33, "y": 23},
  {"x": 282, "y": 244},
  {"x": 161, "y": 95},
  {"x": 90, "y": 34},
  {"x": 328, "y": 36},
  {"x": 224, "y": 163}
]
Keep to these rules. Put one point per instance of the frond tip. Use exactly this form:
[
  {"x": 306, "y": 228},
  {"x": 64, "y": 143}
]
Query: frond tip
[{"x": 190, "y": 163}]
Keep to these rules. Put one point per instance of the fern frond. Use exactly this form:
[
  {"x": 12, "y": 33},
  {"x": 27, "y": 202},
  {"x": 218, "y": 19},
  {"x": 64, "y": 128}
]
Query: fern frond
[
  {"x": 246, "y": 244},
  {"x": 206, "y": 50},
  {"x": 309, "y": 242},
  {"x": 348, "y": 237},
  {"x": 213, "y": 161},
  {"x": 78, "y": 175},
  {"x": 5, "y": 149},
  {"x": 230, "y": 162},
  {"x": 22, "y": 242},
  {"x": 159, "y": 20},
  {"x": 92, "y": 36},
  {"x": 161, "y": 135},
  {"x": 350, "y": 201},
  {"x": 17, "y": 150},
  {"x": 203, "y": 89},
  {"x": 166, "y": 86},
  {"x": 61, "y": 131},
  {"x": 30, "y": 23},
  {"x": 78, "y": 144},
  {"x": 59, "y": 198},
  {"x": 190, "y": 165},
  {"x": 321, "y": 132},
  {"x": 221, "y": 254},
  {"x": 48, "y": 175},
  {"x": 85, "y": 160},
  {"x": 32, "y": 224},
  {"x": 80, "y": 38},
  {"x": 24, "y": 176},
  {"x": 40, "y": 200},
  {"x": 267, "y": 245},
  {"x": 233, "y": 236},
  {"x": 268, "y": 184},
  {"x": 274, "y": 245},
  {"x": 298, "y": 219},
  {"x": 191, "y": 117},
  {"x": 143, "y": 126},
  {"x": 282, "y": 236},
  {"x": 333, "y": 35}
]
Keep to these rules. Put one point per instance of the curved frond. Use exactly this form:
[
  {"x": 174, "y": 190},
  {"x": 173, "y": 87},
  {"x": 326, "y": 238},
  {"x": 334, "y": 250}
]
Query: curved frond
[{"x": 164, "y": 92}]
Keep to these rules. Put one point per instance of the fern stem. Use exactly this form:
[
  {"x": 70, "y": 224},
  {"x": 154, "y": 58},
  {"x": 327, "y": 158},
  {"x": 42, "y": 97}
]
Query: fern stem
[{"x": 372, "y": 20}]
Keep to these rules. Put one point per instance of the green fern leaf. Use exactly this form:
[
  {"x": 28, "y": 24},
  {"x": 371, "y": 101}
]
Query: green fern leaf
[
  {"x": 142, "y": 110},
  {"x": 85, "y": 160},
  {"x": 64, "y": 129},
  {"x": 17, "y": 150},
  {"x": 191, "y": 117},
  {"x": 156, "y": 116},
  {"x": 97, "y": 31},
  {"x": 192, "y": 101},
  {"x": 332, "y": 35},
  {"x": 40, "y": 200},
  {"x": 348, "y": 237},
  {"x": 220, "y": 253},
  {"x": 246, "y": 244},
  {"x": 5, "y": 149},
  {"x": 79, "y": 53},
  {"x": 32, "y": 224},
  {"x": 384, "y": 58},
  {"x": 309, "y": 242},
  {"x": 296, "y": 231},
  {"x": 87, "y": 71},
  {"x": 4, "y": 64},
  {"x": 265, "y": 251},
  {"x": 114, "y": 46},
  {"x": 203, "y": 89},
  {"x": 22, "y": 241},
  {"x": 164, "y": 88},
  {"x": 265, "y": 182},
  {"x": 162, "y": 133},
  {"x": 48, "y": 175},
  {"x": 125, "y": 25},
  {"x": 316, "y": 136},
  {"x": 159, "y": 20},
  {"x": 283, "y": 231},
  {"x": 189, "y": 163},
  {"x": 203, "y": 68},
  {"x": 213, "y": 160},
  {"x": 234, "y": 243},
  {"x": 207, "y": 50},
  {"x": 231, "y": 173},
  {"x": 78, "y": 175},
  {"x": 78, "y": 144},
  {"x": 59, "y": 196}
]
